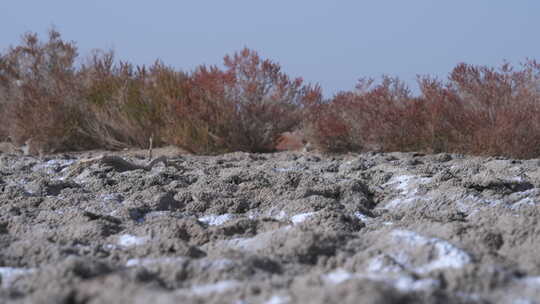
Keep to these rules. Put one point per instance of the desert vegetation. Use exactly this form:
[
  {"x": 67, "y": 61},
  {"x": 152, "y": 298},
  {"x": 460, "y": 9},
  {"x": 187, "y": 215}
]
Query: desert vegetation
[
  {"x": 61, "y": 102},
  {"x": 478, "y": 110}
]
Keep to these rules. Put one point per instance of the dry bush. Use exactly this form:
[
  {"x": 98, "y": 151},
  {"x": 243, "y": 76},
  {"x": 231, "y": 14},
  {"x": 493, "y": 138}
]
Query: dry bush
[
  {"x": 447, "y": 124},
  {"x": 46, "y": 98},
  {"x": 374, "y": 117},
  {"x": 250, "y": 104},
  {"x": 204, "y": 116},
  {"x": 479, "y": 110},
  {"x": 291, "y": 141},
  {"x": 39, "y": 94},
  {"x": 503, "y": 106},
  {"x": 326, "y": 127},
  {"x": 128, "y": 104},
  {"x": 245, "y": 107}
]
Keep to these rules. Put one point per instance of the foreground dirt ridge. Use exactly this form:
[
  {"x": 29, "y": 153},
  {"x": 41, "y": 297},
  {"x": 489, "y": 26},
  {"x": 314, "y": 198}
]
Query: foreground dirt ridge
[{"x": 271, "y": 228}]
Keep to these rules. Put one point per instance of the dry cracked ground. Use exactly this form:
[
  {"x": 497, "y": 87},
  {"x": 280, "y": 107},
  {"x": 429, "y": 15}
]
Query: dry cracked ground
[{"x": 269, "y": 228}]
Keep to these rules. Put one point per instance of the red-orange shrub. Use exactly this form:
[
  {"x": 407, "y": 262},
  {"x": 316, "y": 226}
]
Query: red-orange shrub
[
  {"x": 503, "y": 106},
  {"x": 245, "y": 107},
  {"x": 479, "y": 110},
  {"x": 46, "y": 97},
  {"x": 40, "y": 92},
  {"x": 374, "y": 117}
]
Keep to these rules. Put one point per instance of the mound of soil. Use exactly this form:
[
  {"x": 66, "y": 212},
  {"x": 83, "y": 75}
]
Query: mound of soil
[{"x": 269, "y": 228}]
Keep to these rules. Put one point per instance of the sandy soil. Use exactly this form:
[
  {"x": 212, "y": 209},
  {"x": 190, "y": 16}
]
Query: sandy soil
[{"x": 274, "y": 228}]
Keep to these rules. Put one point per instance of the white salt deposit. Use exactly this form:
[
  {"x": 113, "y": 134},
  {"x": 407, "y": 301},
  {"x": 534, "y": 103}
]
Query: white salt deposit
[
  {"x": 83, "y": 177},
  {"x": 50, "y": 165},
  {"x": 218, "y": 287},
  {"x": 249, "y": 244},
  {"x": 525, "y": 198},
  {"x": 149, "y": 261},
  {"x": 468, "y": 296},
  {"x": 302, "y": 217},
  {"x": 205, "y": 264},
  {"x": 216, "y": 220},
  {"x": 255, "y": 243},
  {"x": 110, "y": 246},
  {"x": 472, "y": 204},
  {"x": 277, "y": 299},
  {"x": 337, "y": 276},
  {"x": 156, "y": 214},
  {"x": 286, "y": 169},
  {"x": 9, "y": 274},
  {"x": 484, "y": 201},
  {"x": 527, "y": 193},
  {"x": 407, "y": 283},
  {"x": 515, "y": 179},
  {"x": 523, "y": 203},
  {"x": 111, "y": 197},
  {"x": 530, "y": 281},
  {"x": 219, "y": 264},
  {"x": 128, "y": 240},
  {"x": 403, "y": 182},
  {"x": 253, "y": 215},
  {"x": 523, "y": 301},
  {"x": 400, "y": 202},
  {"x": 378, "y": 265},
  {"x": 402, "y": 283},
  {"x": 448, "y": 256},
  {"x": 401, "y": 257},
  {"x": 280, "y": 215},
  {"x": 408, "y": 187},
  {"x": 364, "y": 218},
  {"x": 261, "y": 240}
]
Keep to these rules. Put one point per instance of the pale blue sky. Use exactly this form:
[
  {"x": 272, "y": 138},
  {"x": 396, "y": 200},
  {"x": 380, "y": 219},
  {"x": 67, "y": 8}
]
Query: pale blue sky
[{"x": 332, "y": 43}]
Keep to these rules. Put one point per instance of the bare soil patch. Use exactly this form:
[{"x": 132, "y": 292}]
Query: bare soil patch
[{"x": 288, "y": 227}]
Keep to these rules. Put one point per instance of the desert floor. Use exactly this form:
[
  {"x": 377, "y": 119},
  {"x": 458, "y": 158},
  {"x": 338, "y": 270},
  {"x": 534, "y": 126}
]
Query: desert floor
[{"x": 288, "y": 227}]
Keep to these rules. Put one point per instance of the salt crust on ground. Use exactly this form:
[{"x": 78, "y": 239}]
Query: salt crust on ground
[{"x": 241, "y": 222}]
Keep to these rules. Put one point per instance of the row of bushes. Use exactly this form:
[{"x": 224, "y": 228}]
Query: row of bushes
[
  {"x": 478, "y": 110},
  {"x": 48, "y": 96}
]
